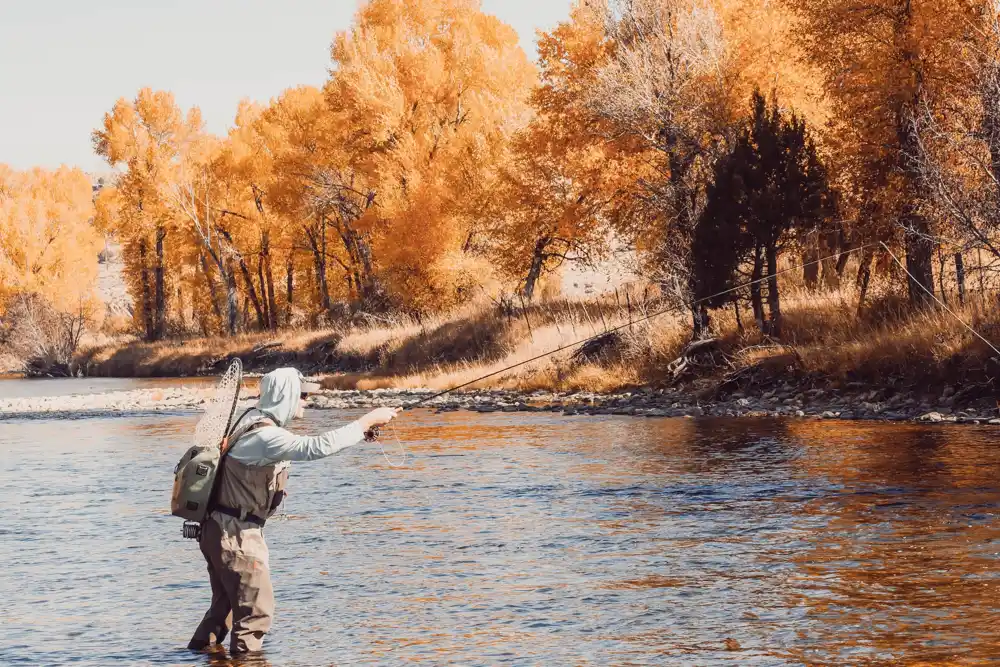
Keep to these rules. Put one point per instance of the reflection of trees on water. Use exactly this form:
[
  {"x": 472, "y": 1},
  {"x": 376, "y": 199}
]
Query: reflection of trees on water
[
  {"x": 716, "y": 446},
  {"x": 900, "y": 564}
]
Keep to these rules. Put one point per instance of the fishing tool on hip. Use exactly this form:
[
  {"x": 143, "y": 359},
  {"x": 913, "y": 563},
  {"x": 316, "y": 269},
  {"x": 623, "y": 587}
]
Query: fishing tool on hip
[
  {"x": 196, "y": 473},
  {"x": 372, "y": 435}
]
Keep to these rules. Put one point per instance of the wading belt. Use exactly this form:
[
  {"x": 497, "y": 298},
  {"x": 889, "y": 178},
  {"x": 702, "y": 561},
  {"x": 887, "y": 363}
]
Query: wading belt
[{"x": 239, "y": 514}]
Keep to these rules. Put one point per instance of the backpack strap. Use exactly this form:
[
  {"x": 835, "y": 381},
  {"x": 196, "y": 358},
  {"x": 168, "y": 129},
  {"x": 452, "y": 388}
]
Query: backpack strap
[{"x": 225, "y": 446}]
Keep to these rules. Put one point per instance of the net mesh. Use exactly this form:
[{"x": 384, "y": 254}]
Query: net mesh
[{"x": 214, "y": 424}]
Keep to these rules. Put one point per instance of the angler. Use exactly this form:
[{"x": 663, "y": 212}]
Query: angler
[{"x": 249, "y": 488}]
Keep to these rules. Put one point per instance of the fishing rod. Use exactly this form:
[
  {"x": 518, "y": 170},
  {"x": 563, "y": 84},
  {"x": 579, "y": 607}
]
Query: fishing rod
[
  {"x": 373, "y": 434},
  {"x": 645, "y": 318}
]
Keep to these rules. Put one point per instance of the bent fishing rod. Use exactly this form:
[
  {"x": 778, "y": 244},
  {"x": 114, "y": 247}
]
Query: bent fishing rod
[
  {"x": 373, "y": 434},
  {"x": 645, "y": 318}
]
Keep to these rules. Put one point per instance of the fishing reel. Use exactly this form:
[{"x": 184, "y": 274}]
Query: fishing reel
[
  {"x": 191, "y": 530},
  {"x": 371, "y": 435}
]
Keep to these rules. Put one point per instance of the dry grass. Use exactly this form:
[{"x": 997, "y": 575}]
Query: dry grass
[
  {"x": 822, "y": 332},
  {"x": 127, "y": 357}
]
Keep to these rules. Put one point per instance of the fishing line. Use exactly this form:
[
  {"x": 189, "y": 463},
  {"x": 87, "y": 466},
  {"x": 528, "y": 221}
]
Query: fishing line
[
  {"x": 645, "y": 318},
  {"x": 939, "y": 302},
  {"x": 398, "y": 444}
]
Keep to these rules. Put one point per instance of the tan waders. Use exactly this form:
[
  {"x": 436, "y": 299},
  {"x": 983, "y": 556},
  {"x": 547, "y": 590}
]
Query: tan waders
[
  {"x": 237, "y": 556},
  {"x": 241, "y": 587}
]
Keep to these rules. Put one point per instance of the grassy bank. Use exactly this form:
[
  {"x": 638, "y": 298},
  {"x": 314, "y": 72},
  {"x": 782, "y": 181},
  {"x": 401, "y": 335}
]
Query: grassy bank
[{"x": 825, "y": 342}]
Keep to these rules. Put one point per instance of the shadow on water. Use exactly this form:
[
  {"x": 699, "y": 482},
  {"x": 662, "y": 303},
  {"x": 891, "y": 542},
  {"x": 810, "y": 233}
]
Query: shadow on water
[{"x": 526, "y": 539}]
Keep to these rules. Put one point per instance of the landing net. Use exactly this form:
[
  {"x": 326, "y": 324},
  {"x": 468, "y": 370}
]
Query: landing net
[{"x": 219, "y": 408}]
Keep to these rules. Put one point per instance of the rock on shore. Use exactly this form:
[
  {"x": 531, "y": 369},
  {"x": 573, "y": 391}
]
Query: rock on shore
[{"x": 815, "y": 404}]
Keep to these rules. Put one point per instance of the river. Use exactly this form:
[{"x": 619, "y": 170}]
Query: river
[
  {"x": 12, "y": 387},
  {"x": 527, "y": 539}
]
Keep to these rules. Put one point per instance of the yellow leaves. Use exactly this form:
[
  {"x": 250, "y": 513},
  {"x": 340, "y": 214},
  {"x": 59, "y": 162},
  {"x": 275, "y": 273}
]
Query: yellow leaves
[
  {"x": 421, "y": 93},
  {"x": 47, "y": 243},
  {"x": 365, "y": 187}
]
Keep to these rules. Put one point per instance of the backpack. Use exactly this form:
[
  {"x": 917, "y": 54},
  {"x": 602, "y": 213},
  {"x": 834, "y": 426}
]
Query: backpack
[{"x": 195, "y": 477}]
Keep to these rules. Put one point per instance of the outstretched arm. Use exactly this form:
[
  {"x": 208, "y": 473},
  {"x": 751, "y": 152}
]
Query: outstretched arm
[{"x": 274, "y": 444}]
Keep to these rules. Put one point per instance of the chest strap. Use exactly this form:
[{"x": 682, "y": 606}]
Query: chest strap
[{"x": 242, "y": 515}]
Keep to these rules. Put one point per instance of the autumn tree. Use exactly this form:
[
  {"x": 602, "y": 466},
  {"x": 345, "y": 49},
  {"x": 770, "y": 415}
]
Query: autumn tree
[
  {"x": 174, "y": 187},
  {"x": 659, "y": 85},
  {"x": 48, "y": 245},
  {"x": 141, "y": 136},
  {"x": 420, "y": 93},
  {"x": 885, "y": 63},
  {"x": 958, "y": 146},
  {"x": 246, "y": 165},
  {"x": 548, "y": 206},
  {"x": 48, "y": 264},
  {"x": 293, "y": 127}
]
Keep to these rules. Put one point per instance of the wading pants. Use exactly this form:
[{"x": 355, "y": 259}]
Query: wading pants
[{"x": 242, "y": 598}]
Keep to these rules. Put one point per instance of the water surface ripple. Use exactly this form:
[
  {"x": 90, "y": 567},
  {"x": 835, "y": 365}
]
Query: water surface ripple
[{"x": 525, "y": 539}]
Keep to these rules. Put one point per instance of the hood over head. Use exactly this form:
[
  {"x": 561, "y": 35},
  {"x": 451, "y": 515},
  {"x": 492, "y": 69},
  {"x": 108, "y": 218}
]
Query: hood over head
[{"x": 279, "y": 394}]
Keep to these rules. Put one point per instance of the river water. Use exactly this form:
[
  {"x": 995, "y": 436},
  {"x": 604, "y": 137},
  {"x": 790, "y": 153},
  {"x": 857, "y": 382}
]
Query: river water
[
  {"x": 525, "y": 539},
  {"x": 11, "y": 387}
]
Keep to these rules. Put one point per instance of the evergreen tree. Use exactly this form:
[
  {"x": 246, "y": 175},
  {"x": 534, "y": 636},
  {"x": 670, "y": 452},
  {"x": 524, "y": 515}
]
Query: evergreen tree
[{"x": 769, "y": 187}]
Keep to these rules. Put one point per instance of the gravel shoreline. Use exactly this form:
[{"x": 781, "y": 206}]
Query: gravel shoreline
[{"x": 812, "y": 404}]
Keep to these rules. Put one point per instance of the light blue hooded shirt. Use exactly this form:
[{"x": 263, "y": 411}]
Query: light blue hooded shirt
[{"x": 279, "y": 401}]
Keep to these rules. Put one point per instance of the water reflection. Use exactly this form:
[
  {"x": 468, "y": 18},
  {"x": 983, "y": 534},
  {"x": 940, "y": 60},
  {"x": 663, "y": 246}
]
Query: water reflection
[
  {"x": 532, "y": 539},
  {"x": 904, "y": 563}
]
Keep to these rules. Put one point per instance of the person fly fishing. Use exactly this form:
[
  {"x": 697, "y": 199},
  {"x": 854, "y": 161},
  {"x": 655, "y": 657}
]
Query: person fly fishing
[{"x": 249, "y": 488}]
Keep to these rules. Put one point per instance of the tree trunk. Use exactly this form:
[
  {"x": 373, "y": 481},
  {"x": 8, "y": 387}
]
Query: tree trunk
[
  {"x": 919, "y": 260},
  {"x": 252, "y": 293},
  {"x": 289, "y": 290},
  {"x": 147, "y": 294},
  {"x": 773, "y": 302},
  {"x": 916, "y": 228},
  {"x": 864, "y": 277},
  {"x": 245, "y": 313},
  {"x": 364, "y": 272},
  {"x": 736, "y": 309},
  {"x": 842, "y": 262},
  {"x": 960, "y": 277},
  {"x": 810, "y": 266},
  {"x": 537, "y": 262},
  {"x": 263, "y": 292},
  {"x": 213, "y": 292},
  {"x": 272, "y": 307},
  {"x": 979, "y": 267},
  {"x": 321, "y": 278},
  {"x": 700, "y": 320},
  {"x": 232, "y": 300},
  {"x": 833, "y": 267},
  {"x": 755, "y": 294},
  {"x": 160, "y": 318},
  {"x": 941, "y": 260}
]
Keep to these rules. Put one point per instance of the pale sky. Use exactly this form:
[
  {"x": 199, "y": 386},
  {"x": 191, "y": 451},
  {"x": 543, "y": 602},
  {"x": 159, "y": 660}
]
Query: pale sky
[{"x": 64, "y": 63}]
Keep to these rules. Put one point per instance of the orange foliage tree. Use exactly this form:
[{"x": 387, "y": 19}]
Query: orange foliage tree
[
  {"x": 886, "y": 64},
  {"x": 48, "y": 245},
  {"x": 363, "y": 194}
]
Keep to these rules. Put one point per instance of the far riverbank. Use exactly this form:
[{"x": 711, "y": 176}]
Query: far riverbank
[{"x": 644, "y": 403}]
